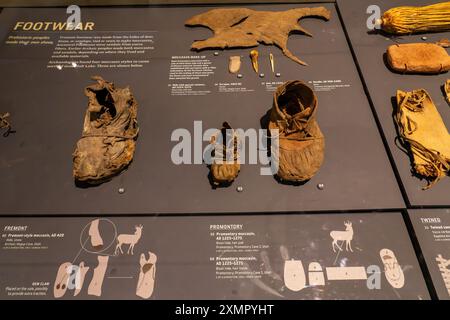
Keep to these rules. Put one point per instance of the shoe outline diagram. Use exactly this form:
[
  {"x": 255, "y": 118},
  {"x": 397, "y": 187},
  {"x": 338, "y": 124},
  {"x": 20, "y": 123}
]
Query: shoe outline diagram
[
  {"x": 82, "y": 275},
  {"x": 392, "y": 269},
  {"x": 345, "y": 236},
  {"x": 94, "y": 234},
  {"x": 71, "y": 276},
  {"x": 315, "y": 274},
  {"x": 294, "y": 273},
  {"x": 130, "y": 239},
  {"x": 147, "y": 275},
  {"x": 95, "y": 287},
  {"x": 443, "y": 265},
  {"x": 62, "y": 280},
  {"x": 68, "y": 277},
  {"x": 346, "y": 273}
]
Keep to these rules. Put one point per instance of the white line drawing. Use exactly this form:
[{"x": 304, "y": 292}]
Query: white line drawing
[
  {"x": 392, "y": 270},
  {"x": 445, "y": 272},
  {"x": 130, "y": 239},
  {"x": 346, "y": 273},
  {"x": 315, "y": 274},
  {"x": 147, "y": 276},
  {"x": 294, "y": 273},
  {"x": 94, "y": 233},
  {"x": 345, "y": 236},
  {"x": 84, "y": 241},
  {"x": 95, "y": 287},
  {"x": 82, "y": 270},
  {"x": 62, "y": 280}
]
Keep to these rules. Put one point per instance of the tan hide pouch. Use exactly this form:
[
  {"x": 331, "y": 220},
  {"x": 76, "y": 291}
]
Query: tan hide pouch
[{"x": 428, "y": 58}]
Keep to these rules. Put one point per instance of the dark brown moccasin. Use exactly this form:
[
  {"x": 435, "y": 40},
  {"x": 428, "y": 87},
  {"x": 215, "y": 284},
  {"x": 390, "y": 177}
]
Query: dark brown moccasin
[
  {"x": 301, "y": 143},
  {"x": 225, "y": 165},
  {"x": 109, "y": 133}
]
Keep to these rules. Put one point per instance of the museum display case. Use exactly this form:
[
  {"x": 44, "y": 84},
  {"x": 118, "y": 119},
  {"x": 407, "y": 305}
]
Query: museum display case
[{"x": 261, "y": 150}]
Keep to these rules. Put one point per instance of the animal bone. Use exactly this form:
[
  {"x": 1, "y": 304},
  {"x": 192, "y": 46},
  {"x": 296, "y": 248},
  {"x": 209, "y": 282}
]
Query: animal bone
[
  {"x": 272, "y": 63},
  {"x": 254, "y": 57},
  {"x": 235, "y": 64},
  {"x": 245, "y": 28}
]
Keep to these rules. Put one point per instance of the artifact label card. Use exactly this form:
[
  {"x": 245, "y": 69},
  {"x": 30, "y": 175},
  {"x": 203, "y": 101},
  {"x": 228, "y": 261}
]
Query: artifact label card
[
  {"x": 182, "y": 96},
  {"x": 320, "y": 256},
  {"x": 432, "y": 228},
  {"x": 370, "y": 47}
]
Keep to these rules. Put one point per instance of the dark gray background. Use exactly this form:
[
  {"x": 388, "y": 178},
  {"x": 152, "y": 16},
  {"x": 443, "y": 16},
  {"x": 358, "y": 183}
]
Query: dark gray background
[
  {"x": 183, "y": 246},
  {"x": 52, "y": 3},
  {"x": 48, "y": 106},
  {"x": 431, "y": 248},
  {"x": 383, "y": 84}
]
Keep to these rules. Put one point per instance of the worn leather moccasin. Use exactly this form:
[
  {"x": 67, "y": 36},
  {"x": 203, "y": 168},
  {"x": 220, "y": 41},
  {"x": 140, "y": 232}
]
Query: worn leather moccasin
[
  {"x": 301, "y": 143},
  {"x": 109, "y": 133},
  {"x": 225, "y": 165}
]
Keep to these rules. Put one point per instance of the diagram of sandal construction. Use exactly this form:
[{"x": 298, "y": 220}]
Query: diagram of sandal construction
[
  {"x": 392, "y": 269},
  {"x": 71, "y": 276},
  {"x": 295, "y": 277},
  {"x": 95, "y": 287}
]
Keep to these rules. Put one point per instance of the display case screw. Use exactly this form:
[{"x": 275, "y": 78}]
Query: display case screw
[
  {"x": 240, "y": 189},
  {"x": 278, "y": 74},
  {"x": 239, "y": 75},
  {"x": 121, "y": 190},
  {"x": 261, "y": 75},
  {"x": 320, "y": 186}
]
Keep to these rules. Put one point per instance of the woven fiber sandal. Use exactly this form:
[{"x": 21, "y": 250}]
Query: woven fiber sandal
[
  {"x": 225, "y": 165},
  {"x": 109, "y": 133},
  {"x": 421, "y": 128},
  {"x": 301, "y": 143}
]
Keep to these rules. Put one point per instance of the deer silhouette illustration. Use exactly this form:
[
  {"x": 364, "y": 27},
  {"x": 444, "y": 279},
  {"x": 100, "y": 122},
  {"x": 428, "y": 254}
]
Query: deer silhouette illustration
[
  {"x": 130, "y": 239},
  {"x": 345, "y": 236}
]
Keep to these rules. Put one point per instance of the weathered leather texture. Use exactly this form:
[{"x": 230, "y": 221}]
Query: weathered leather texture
[
  {"x": 109, "y": 133},
  {"x": 226, "y": 165},
  {"x": 425, "y": 58},
  {"x": 301, "y": 142},
  {"x": 423, "y": 132},
  {"x": 244, "y": 28}
]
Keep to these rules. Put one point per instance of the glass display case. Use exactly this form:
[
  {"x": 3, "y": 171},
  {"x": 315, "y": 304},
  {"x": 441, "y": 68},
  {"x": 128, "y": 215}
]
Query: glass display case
[{"x": 197, "y": 150}]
